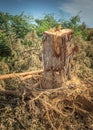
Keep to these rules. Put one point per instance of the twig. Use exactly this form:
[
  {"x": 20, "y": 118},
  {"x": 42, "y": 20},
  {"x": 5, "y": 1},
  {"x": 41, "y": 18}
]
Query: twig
[
  {"x": 55, "y": 109},
  {"x": 50, "y": 122},
  {"x": 21, "y": 124},
  {"x": 29, "y": 76}
]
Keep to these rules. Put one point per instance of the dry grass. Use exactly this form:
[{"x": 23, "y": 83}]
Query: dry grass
[
  {"x": 65, "y": 108},
  {"x": 24, "y": 105}
]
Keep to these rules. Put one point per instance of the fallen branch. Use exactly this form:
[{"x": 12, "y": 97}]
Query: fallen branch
[
  {"x": 29, "y": 76},
  {"x": 13, "y": 75}
]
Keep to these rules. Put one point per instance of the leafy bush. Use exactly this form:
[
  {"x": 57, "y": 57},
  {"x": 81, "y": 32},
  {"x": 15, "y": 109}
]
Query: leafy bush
[
  {"x": 45, "y": 24},
  {"x": 75, "y": 24},
  {"x": 5, "y": 51}
]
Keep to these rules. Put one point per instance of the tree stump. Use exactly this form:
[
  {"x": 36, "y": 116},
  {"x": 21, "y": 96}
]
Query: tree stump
[{"x": 57, "y": 56}]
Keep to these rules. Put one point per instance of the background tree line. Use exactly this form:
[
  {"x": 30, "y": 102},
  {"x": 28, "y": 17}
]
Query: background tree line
[{"x": 19, "y": 34}]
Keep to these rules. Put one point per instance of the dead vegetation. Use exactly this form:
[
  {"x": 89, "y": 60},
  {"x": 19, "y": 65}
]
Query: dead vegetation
[
  {"x": 30, "y": 107},
  {"x": 26, "y": 105}
]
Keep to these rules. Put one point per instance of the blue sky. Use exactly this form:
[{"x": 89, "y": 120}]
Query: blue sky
[{"x": 38, "y": 8}]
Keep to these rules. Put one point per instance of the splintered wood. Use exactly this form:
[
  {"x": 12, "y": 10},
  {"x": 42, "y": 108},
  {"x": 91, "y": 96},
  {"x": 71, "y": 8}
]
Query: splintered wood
[{"x": 57, "y": 57}]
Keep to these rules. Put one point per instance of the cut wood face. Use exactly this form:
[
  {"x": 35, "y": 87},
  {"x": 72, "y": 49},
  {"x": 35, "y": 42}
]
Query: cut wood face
[{"x": 59, "y": 32}]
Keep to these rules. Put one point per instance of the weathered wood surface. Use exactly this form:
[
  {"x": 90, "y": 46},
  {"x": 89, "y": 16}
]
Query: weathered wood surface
[
  {"x": 56, "y": 47},
  {"x": 57, "y": 55}
]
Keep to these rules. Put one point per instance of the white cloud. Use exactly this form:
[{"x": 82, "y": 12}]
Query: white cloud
[{"x": 86, "y": 6}]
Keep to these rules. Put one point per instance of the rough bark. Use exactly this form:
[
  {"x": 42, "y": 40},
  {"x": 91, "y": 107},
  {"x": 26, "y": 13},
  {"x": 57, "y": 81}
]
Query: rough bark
[{"x": 57, "y": 49}]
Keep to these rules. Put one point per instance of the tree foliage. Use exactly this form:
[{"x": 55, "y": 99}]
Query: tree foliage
[
  {"x": 20, "y": 26},
  {"x": 5, "y": 51},
  {"x": 11, "y": 25},
  {"x": 75, "y": 24},
  {"x": 4, "y": 21},
  {"x": 14, "y": 28},
  {"x": 47, "y": 22},
  {"x": 17, "y": 24}
]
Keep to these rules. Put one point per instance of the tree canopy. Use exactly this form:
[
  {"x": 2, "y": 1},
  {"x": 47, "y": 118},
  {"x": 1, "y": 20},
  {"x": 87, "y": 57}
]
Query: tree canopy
[{"x": 18, "y": 26}]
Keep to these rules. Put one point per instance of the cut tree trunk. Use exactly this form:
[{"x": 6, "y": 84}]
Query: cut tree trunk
[{"x": 57, "y": 55}]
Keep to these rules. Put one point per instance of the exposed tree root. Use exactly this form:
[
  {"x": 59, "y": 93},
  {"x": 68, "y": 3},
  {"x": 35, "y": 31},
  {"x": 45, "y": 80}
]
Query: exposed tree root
[{"x": 31, "y": 107}]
